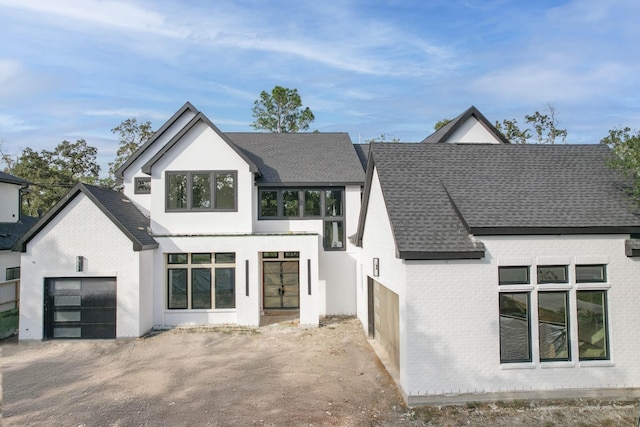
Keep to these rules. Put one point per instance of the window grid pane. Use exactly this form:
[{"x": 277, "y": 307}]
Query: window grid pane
[
  {"x": 290, "y": 203},
  {"x": 333, "y": 201},
  {"x": 225, "y": 258},
  {"x": 177, "y": 287},
  {"x": 201, "y": 288},
  {"x": 593, "y": 339},
  {"x": 204, "y": 258},
  {"x": 177, "y": 191},
  {"x": 225, "y": 191},
  {"x": 591, "y": 273},
  {"x": 552, "y": 274},
  {"x": 312, "y": 203},
  {"x": 225, "y": 288},
  {"x": 513, "y": 275},
  {"x": 201, "y": 191},
  {"x": 268, "y": 203},
  {"x": 553, "y": 326},
  {"x": 333, "y": 234},
  {"x": 515, "y": 337}
]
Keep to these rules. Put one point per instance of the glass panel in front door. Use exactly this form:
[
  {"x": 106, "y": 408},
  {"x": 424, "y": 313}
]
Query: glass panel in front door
[{"x": 281, "y": 284}]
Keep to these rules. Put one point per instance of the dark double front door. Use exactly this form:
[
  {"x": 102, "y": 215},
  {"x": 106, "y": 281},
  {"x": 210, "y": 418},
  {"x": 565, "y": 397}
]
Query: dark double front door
[{"x": 281, "y": 284}]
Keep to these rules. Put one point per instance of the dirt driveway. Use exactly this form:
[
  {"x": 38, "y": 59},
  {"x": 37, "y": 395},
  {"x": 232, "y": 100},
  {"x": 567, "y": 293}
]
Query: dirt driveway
[{"x": 276, "y": 375}]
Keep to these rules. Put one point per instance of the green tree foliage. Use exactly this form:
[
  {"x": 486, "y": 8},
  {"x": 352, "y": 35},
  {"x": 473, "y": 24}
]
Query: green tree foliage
[
  {"x": 541, "y": 128},
  {"x": 511, "y": 130},
  {"x": 441, "y": 123},
  {"x": 131, "y": 136},
  {"x": 52, "y": 173},
  {"x": 625, "y": 145},
  {"x": 281, "y": 111},
  {"x": 382, "y": 138}
]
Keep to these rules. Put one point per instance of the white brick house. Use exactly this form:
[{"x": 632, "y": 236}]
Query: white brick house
[
  {"x": 492, "y": 269},
  {"x": 211, "y": 228},
  {"x": 475, "y": 266}
]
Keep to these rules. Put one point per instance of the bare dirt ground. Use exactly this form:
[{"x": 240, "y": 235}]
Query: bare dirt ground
[{"x": 277, "y": 375}]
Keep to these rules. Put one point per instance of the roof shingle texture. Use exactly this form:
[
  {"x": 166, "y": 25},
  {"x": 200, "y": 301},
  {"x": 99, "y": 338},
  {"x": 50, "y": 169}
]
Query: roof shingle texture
[
  {"x": 432, "y": 190},
  {"x": 301, "y": 158},
  {"x": 10, "y": 232},
  {"x": 125, "y": 213}
]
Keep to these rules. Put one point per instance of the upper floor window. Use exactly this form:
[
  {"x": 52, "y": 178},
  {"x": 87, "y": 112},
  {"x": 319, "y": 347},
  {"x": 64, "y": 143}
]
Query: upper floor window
[
  {"x": 142, "y": 185},
  {"x": 308, "y": 203},
  {"x": 201, "y": 191},
  {"x": 13, "y": 273}
]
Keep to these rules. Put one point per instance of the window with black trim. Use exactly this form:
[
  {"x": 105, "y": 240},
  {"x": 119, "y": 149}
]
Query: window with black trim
[
  {"x": 142, "y": 185},
  {"x": 552, "y": 274},
  {"x": 12, "y": 273},
  {"x": 553, "y": 326},
  {"x": 553, "y": 306},
  {"x": 593, "y": 333},
  {"x": 201, "y": 280},
  {"x": 513, "y": 275},
  {"x": 307, "y": 203},
  {"x": 196, "y": 191},
  {"x": 515, "y": 333},
  {"x": 591, "y": 273}
]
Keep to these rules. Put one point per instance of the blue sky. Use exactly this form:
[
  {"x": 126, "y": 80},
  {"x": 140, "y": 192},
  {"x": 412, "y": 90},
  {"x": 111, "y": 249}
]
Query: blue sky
[{"x": 72, "y": 69}]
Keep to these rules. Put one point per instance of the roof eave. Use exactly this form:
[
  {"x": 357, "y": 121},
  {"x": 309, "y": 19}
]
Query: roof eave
[
  {"x": 515, "y": 230},
  {"x": 440, "y": 255}
]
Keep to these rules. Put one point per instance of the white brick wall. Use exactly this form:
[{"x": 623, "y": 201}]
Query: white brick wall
[
  {"x": 449, "y": 314},
  {"x": 83, "y": 230},
  {"x": 248, "y": 247},
  {"x": 453, "y": 333}
]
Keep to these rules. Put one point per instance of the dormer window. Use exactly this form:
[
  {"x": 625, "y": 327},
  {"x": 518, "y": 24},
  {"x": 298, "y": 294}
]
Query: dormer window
[
  {"x": 201, "y": 191},
  {"x": 142, "y": 185}
]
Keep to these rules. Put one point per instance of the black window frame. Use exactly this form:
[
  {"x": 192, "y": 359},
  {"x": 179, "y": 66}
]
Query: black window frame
[
  {"x": 514, "y": 282},
  {"x": 213, "y": 175},
  {"x": 302, "y": 192},
  {"x": 12, "y": 273},
  {"x": 529, "y": 357},
  {"x": 137, "y": 188},
  {"x": 604, "y": 273},
  {"x": 567, "y": 320},
  {"x": 605, "y": 321},
  {"x": 190, "y": 266},
  {"x": 543, "y": 281}
]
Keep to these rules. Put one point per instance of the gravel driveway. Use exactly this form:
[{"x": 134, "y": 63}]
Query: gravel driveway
[{"x": 276, "y": 375}]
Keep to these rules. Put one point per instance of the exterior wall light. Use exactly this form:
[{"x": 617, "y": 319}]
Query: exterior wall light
[
  {"x": 376, "y": 267},
  {"x": 80, "y": 263}
]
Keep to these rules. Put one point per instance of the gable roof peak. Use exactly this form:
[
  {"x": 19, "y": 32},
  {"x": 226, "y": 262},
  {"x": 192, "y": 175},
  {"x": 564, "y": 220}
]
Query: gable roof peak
[
  {"x": 187, "y": 107},
  {"x": 446, "y": 131},
  {"x": 199, "y": 117}
]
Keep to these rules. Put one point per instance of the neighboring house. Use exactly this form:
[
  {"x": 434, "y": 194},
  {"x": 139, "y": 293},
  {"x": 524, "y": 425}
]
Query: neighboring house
[
  {"x": 12, "y": 226},
  {"x": 495, "y": 268},
  {"x": 211, "y": 228},
  {"x": 476, "y": 266}
]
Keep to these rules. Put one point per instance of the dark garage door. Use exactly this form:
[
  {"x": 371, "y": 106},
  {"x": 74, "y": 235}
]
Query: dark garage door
[{"x": 80, "y": 308}]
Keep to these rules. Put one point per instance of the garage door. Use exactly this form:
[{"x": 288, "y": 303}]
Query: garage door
[
  {"x": 387, "y": 322},
  {"x": 80, "y": 308}
]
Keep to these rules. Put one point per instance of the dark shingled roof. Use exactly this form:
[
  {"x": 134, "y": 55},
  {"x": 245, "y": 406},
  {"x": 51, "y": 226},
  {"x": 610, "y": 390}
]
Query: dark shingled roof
[
  {"x": 442, "y": 134},
  {"x": 301, "y": 158},
  {"x": 10, "y": 232},
  {"x": 363, "y": 153},
  {"x": 439, "y": 195},
  {"x": 10, "y": 179},
  {"x": 115, "y": 205}
]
